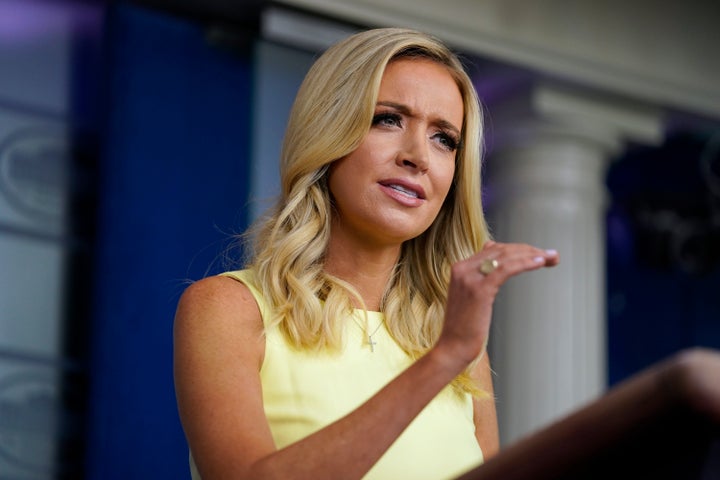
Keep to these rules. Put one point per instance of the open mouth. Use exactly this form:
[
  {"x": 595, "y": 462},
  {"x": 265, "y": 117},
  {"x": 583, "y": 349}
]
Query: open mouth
[{"x": 404, "y": 190}]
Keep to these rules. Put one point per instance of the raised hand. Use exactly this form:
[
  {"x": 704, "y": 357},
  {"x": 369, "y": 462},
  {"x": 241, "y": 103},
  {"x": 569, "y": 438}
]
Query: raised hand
[{"x": 474, "y": 284}]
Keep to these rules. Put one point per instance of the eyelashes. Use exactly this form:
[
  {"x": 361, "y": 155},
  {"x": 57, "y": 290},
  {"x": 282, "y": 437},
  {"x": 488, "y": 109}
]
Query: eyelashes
[
  {"x": 387, "y": 119},
  {"x": 446, "y": 140},
  {"x": 450, "y": 143}
]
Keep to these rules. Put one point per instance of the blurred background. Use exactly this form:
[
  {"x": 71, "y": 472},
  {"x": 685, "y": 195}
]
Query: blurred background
[{"x": 137, "y": 137}]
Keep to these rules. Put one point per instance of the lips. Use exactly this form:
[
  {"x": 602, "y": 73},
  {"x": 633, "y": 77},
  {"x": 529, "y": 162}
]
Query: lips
[{"x": 404, "y": 187}]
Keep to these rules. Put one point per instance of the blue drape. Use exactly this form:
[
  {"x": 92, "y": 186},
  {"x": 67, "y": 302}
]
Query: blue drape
[{"x": 174, "y": 180}]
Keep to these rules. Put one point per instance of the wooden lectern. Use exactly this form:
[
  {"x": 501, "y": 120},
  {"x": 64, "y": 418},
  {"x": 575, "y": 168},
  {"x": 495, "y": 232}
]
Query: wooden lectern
[{"x": 662, "y": 423}]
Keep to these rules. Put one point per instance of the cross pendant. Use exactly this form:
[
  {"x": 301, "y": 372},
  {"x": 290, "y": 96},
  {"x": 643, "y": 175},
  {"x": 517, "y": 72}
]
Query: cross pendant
[{"x": 372, "y": 343}]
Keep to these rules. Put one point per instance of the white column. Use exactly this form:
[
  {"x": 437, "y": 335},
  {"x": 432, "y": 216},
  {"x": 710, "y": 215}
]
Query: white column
[{"x": 545, "y": 185}]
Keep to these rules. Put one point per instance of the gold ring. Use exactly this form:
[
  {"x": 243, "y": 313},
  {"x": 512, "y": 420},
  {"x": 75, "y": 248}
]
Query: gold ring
[{"x": 488, "y": 266}]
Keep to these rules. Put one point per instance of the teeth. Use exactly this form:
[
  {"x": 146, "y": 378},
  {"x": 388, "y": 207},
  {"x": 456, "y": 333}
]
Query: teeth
[{"x": 404, "y": 190}]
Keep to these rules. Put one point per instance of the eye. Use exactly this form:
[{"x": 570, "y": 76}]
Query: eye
[
  {"x": 447, "y": 141},
  {"x": 387, "y": 119}
]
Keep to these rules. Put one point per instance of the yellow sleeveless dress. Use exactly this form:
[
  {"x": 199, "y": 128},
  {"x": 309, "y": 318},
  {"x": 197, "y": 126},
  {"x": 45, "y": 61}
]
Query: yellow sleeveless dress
[{"x": 304, "y": 391}]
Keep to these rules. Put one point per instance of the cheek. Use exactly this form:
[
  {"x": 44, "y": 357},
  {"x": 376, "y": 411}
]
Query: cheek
[
  {"x": 445, "y": 180},
  {"x": 344, "y": 180},
  {"x": 335, "y": 182}
]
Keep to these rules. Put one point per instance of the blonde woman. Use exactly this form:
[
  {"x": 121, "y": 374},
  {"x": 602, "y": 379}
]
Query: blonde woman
[{"x": 352, "y": 343}]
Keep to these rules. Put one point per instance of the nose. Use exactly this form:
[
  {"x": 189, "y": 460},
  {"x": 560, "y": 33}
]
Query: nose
[{"x": 413, "y": 152}]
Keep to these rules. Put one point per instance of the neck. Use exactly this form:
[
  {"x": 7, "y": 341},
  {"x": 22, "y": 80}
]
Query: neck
[{"x": 366, "y": 268}]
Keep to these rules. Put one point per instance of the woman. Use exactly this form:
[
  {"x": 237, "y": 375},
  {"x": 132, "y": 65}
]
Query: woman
[{"x": 351, "y": 345}]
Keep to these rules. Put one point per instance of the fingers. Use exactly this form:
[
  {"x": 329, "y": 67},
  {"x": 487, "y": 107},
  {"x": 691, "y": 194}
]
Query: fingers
[
  {"x": 502, "y": 260},
  {"x": 474, "y": 284}
]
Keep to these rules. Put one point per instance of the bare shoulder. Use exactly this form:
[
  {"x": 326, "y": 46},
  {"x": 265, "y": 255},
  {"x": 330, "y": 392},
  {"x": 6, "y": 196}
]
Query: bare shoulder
[
  {"x": 218, "y": 310},
  {"x": 218, "y": 292}
]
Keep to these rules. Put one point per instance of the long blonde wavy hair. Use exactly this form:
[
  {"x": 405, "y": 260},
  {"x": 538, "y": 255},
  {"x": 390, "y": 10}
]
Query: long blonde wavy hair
[{"x": 331, "y": 115}]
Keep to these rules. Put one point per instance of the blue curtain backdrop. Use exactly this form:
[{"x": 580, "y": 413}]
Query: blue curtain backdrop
[{"x": 173, "y": 182}]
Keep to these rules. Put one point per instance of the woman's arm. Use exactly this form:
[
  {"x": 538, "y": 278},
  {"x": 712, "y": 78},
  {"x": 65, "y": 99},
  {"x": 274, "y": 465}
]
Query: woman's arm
[{"x": 218, "y": 350}]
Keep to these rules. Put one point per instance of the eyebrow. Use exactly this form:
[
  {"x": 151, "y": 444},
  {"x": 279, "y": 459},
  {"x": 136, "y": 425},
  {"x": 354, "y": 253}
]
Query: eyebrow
[{"x": 405, "y": 110}]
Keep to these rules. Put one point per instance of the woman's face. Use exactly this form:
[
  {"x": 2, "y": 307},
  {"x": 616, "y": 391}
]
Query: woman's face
[{"x": 391, "y": 188}]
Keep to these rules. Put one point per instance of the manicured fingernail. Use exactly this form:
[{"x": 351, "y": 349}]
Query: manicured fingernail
[{"x": 551, "y": 251}]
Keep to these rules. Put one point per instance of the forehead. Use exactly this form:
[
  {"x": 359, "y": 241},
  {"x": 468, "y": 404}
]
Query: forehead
[{"x": 425, "y": 84}]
